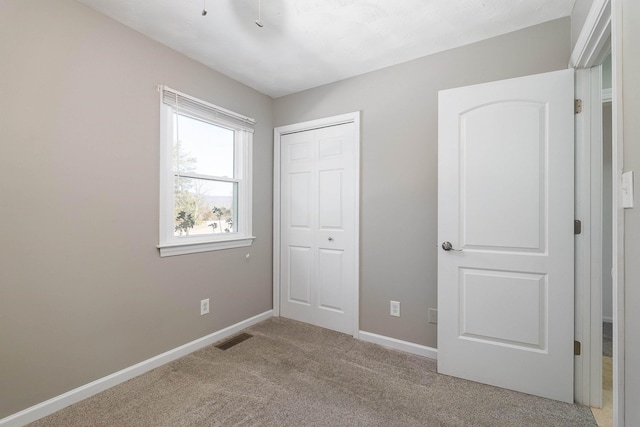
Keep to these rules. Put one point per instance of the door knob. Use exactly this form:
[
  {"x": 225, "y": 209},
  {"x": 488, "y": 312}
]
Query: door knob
[{"x": 447, "y": 246}]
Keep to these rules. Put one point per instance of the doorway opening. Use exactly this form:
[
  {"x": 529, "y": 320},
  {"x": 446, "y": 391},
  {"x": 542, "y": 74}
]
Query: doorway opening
[{"x": 604, "y": 413}]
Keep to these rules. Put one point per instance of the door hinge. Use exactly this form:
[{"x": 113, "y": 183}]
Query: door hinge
[
  {"x": 577, "y": 226},
  {"x": 578, "y": 106},
  {"x": 577, "y": 348}
]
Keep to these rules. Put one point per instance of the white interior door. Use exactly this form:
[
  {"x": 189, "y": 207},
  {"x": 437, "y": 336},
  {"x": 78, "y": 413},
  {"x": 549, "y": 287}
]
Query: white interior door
[
  {"x": 506, "y": 203},
  {"x": 317, "y": 226}
]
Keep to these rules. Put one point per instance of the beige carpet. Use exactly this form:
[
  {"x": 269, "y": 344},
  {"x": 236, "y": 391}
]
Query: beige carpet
[{"x": 293, "y": 374}]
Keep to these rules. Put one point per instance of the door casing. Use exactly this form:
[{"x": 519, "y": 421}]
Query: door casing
[{"x": 301, "y": 127}]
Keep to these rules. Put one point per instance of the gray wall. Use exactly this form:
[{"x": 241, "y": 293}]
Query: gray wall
[
  {"x": 83, "y": 292},
  {"x": 631, "y": 99},
  {"x": 399, "y": 162},
  {"x": 578, "y": 17}
]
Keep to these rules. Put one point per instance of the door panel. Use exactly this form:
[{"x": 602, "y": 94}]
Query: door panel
[
  {"x": 505, "y": 200},
  {"x": 488, "y": 155},
  {"x": 331, "y": 199},
  {"x": 515, "y": 301},
  {"x": 299, "y": 192},
  {"x": 318, "y": 219},
  {"x": 330, "y": 279},
  {"x": 299, "y": 284}
]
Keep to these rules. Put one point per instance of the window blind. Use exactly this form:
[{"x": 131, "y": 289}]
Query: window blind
[{"x": 198, "y": 109}]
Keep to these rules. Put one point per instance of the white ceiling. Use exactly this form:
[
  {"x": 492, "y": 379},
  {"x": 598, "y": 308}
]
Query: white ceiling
[{"x": 308, "y": 43}]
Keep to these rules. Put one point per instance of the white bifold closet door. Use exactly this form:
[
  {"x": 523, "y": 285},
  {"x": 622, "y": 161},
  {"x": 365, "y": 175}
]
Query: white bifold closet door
[{"x": 318, "y": 210}]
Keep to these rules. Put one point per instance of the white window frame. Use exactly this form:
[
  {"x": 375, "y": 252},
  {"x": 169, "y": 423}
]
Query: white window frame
[{"x": 172, "y": 101}]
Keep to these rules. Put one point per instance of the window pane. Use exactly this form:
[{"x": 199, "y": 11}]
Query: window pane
[
  {"x": 204, "y": 207},
  {"x": 202, "y": 148}
]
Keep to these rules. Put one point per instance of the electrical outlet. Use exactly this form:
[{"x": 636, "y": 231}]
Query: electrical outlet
[
  {"x": 204, "y": 307},
  {"x": 395, "y": 309},
  {"x": 433, "y": 315}
]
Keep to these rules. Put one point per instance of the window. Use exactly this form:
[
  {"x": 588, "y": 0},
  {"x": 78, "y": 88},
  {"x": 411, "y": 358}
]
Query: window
[{"x": 205, "y": 176}]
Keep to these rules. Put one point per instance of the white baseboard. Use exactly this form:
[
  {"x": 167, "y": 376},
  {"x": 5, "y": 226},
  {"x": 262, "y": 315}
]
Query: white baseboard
[
  {"x": 408, "y": 347},
  {"x": 55, "y": 404}
]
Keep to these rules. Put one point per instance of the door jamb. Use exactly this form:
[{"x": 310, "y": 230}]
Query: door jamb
[
  {"x": 601, "y": 31},
  {"x": 301, "y": 127}
]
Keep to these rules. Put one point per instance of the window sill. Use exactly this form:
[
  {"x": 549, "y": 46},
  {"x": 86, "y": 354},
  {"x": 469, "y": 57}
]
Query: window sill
[{"x": 172, "y": 249}]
